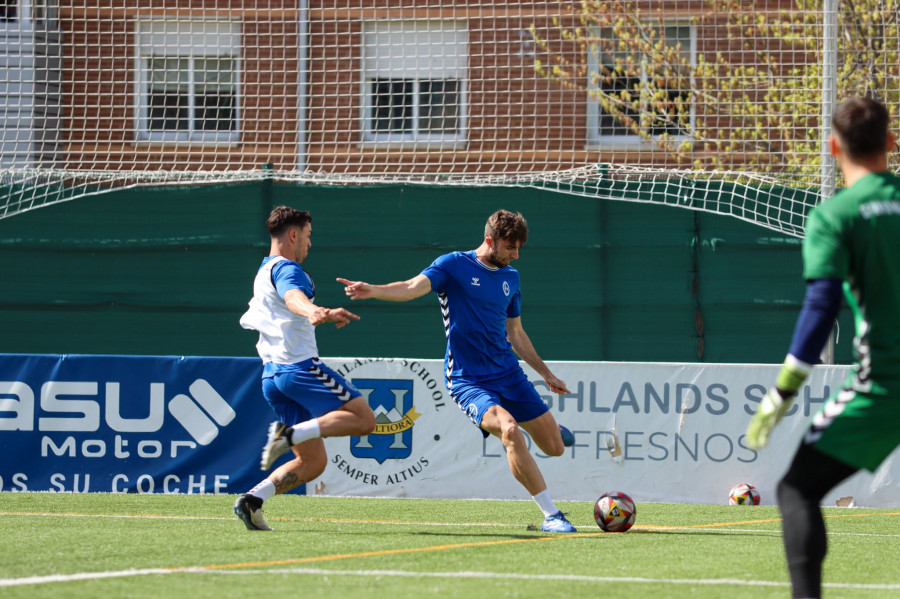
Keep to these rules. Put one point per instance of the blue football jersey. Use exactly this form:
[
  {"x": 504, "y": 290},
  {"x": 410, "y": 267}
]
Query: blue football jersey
[{"x": 476, "y": 300}]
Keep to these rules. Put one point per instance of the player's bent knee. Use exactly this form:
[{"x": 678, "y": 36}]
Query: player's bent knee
[
  {"x": 318, "y": 469},
  {"x": 366, "y": 426},
  {"x": 315, "y": 465},
  {"x": 365, "y": 417},
  {"x": 551, "y": 445},
  {"x": 555, "y": 449},
  {"x": 511, "y": 433},
  {"x": 365, "y": 423}
]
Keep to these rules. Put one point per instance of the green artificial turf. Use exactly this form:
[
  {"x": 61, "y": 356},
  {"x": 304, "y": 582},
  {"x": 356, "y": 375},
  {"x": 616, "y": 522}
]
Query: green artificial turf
[{"x": 125, "y": 545}]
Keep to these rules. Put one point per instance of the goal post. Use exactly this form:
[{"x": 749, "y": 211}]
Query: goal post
[{"x": 714, "y": 105}]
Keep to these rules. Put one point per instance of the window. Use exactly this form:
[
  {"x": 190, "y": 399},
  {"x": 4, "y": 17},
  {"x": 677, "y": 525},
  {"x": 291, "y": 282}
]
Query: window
[
  {"x": 637, "y": 91},
  {"x": 414, "y": 82},
  {"x": 44, "y": 11},
  {"x": 9, "y": 11},
  {"x": 187, "y": 85},
  {"x": 28, "y": 12}
]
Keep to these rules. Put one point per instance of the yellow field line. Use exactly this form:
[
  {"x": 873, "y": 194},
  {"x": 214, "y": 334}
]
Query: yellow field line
[
  {"x": 339, "y": 556},
  {"x": 445, "y": 547},
  {"x": 861, "y": 515},
  {"x": 651, "y": 528}
]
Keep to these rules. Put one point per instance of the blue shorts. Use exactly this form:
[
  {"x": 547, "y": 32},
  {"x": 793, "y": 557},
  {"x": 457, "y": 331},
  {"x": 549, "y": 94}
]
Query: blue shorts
[
  {"x": 305, "y": 390},
  {"x": 515, "y": 394}
]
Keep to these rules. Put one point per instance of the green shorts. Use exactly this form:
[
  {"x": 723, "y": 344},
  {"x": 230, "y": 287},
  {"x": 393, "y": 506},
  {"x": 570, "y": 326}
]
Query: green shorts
[{"x": 858, "y": 425}]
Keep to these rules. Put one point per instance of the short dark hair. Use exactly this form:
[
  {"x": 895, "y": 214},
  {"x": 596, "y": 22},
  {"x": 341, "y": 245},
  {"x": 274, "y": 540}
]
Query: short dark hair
[
  {"x": 284, "y": 217},
  {"x": 861, "y": 124},
  {"x": 504, "y": 224}
]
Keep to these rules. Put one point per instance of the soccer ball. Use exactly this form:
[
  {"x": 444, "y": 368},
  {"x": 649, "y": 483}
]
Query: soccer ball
[
  {"x": 743, "y": 494},
  {"x": 614, "y": 512}
]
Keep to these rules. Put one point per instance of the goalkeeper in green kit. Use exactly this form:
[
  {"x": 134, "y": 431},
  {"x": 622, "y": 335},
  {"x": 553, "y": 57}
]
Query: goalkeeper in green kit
[{"x": 851, "y": 248}]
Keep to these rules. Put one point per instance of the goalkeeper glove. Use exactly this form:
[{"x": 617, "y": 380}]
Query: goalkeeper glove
[
  {"x": 777, "y": 401},
  {"x": 771, "y": 410}
]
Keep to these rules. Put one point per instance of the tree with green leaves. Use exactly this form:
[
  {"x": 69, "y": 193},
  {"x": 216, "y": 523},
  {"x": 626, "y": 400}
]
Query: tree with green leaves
[{"x": 744, "y": 94}]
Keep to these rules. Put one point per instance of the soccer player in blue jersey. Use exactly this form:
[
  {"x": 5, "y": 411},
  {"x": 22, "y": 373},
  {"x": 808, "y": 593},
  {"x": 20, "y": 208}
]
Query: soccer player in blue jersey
[
  {"x": 851, "y": 251},
  {"x": 481, "y": 307},
  {"x": 301, "y": 390}
]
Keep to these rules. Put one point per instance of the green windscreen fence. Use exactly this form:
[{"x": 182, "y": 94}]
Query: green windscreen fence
[{"x": 168, "y": 271}]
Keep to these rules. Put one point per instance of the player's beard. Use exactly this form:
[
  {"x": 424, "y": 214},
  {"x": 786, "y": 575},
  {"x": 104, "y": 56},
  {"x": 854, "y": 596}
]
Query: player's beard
[{"x": 493, "y": 259}]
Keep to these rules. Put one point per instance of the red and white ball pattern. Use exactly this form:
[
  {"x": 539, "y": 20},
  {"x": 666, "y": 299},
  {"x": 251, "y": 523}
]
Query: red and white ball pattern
[
  {"x": 614, "y": 512},
  {"x": 743, "y": 494}
]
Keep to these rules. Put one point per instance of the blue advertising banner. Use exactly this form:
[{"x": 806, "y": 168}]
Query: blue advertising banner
[
  {"x": 660, "y": 432},
  {"x": 126, "y": 424}
]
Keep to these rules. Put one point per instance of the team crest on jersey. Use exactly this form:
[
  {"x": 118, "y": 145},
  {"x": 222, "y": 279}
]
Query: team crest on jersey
[
  {"x": 505, "y": 288},
  {"x": 395, "y": 415}
]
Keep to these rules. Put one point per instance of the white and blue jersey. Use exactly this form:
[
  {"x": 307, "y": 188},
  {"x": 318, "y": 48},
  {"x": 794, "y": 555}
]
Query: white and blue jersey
[
  {"x": 295, "y": 383},
  {"x": 476, "y": 299},
  {"x": 284, "y": 337}
]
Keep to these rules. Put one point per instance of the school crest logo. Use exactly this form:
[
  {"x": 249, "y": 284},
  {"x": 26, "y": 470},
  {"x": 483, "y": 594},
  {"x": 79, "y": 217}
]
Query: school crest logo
[{"x": 395, "y": 414}]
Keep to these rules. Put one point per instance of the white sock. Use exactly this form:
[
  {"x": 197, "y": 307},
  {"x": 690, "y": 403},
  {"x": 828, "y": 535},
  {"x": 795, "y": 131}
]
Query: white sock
[
  {"x": 305, "y": 431},
  {"x": 545, "y": 503},
  {"x": 263, "y": 490}
]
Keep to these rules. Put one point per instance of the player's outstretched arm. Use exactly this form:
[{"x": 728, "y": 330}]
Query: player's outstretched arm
[
  {"x": 523, "y": 347},
  {"x": 298, "y": 303},
  {"x": 398, "y": 291}
]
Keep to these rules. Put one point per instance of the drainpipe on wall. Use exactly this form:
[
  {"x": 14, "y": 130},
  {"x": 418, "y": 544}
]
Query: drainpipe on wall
[{"x": 303, "y": 64}]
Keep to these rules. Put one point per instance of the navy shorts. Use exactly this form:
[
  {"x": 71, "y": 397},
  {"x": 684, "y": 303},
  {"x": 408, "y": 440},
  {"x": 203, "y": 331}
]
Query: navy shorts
[
  {"x": 515, "y": 394},
  {"x": 306, "y": 390}
]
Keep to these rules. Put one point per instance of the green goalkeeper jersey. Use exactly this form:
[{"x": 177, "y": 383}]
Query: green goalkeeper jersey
[{"x": 855, "y": 237}]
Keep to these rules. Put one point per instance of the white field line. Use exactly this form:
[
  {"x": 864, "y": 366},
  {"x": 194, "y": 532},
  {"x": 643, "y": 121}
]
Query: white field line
[
  {"x": 139, "y": 516},
  {"x": 34, "y": 580},
  {"x": 637, "y": 527},
  {"x": 270, "y": 518},
  {"x": 557, "y": 577},
  {"x": 37, "y": 580}
]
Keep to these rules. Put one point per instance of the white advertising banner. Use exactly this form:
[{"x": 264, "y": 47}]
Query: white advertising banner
[{"x": 659, "y": 432}]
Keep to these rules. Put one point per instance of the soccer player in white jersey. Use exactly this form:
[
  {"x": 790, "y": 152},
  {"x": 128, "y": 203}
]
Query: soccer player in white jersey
[
  {"x": 481, "y": 303},
  {"x": 301, "y": 390}
]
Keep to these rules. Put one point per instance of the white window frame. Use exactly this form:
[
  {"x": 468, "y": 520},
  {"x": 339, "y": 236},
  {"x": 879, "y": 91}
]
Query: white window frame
[
  {"x": 33, "y": 12},
  {"x": 629, "y": 140},
  {"x": 192, "y": 41},
  {"x": 416, "y": 51}
]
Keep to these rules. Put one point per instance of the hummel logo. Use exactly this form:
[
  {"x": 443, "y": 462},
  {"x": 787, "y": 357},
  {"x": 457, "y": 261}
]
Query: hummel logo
[
  {"x": 186, "y": 410},
  {"x": 475, "y": 282}
]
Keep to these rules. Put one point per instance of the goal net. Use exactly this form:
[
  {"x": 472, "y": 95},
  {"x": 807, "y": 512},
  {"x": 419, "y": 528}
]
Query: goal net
[{"x": 716, "y": 105}]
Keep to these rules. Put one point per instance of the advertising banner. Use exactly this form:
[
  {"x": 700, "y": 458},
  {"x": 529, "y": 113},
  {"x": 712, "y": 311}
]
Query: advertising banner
[
  {"x": 659, "y": 432},
  {"x": 131, "y": 424}
]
